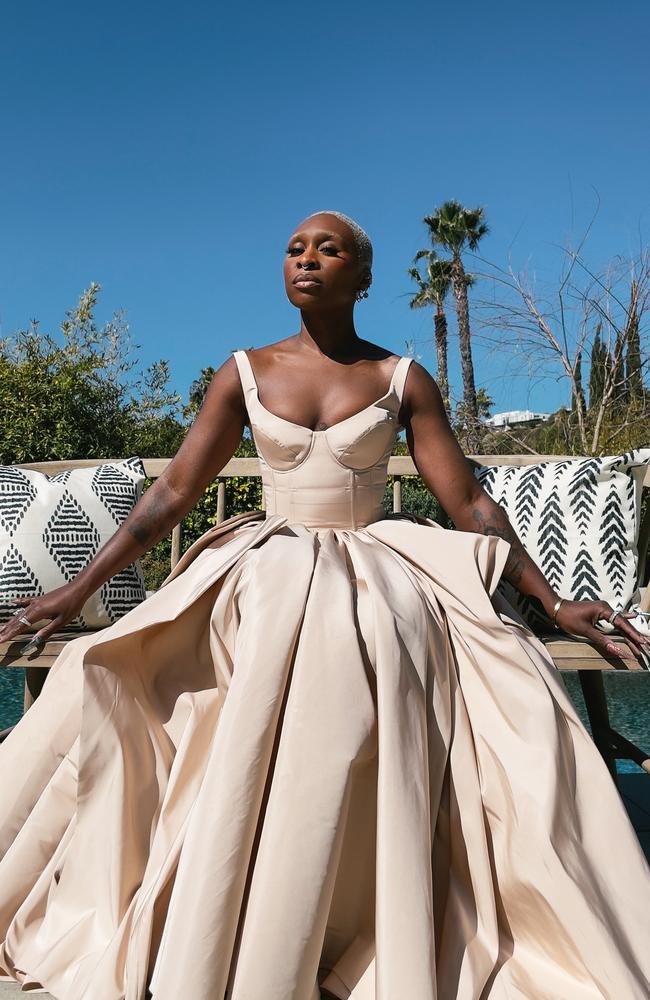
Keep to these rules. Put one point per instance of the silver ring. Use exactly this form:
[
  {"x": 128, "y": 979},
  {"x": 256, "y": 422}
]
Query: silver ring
[
  {"x": 613, "y": 615},
  {"x": 21, "y": 617}
]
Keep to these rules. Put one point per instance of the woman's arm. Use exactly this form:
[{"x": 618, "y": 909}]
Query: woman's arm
[
  {"x": 209, "y": 444},
  {"x": 447, "y": 473}
]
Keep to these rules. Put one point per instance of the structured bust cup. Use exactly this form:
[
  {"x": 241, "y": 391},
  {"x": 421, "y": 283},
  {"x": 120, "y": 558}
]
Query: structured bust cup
[
  {"x": 350, "y": 444},
  {"x": 333, "y": 477}
]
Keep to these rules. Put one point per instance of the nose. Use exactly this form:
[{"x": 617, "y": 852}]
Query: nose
[{"x": 306, "y": 263}]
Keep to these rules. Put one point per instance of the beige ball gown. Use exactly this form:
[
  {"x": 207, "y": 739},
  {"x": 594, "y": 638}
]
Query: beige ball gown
[{"x": 324, "y": 752}]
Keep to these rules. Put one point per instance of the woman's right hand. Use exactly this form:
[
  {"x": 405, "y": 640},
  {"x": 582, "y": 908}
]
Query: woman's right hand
[{"x": 61, "y": 606}]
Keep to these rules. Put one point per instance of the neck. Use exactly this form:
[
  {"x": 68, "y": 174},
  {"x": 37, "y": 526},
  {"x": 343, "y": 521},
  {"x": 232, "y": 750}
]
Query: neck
[{"x": 331, "y": 333}]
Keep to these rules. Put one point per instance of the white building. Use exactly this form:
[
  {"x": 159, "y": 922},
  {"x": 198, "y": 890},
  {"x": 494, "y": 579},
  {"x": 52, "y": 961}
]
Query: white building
[{"x": 516, "y": 418}]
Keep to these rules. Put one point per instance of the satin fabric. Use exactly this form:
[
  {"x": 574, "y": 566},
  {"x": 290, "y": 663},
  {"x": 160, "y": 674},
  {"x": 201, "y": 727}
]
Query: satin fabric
[{"x": 323, "y": 753}]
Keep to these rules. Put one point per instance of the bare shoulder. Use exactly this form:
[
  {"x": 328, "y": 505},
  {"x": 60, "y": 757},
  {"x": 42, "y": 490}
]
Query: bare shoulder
[
  {"x": 381, "y": 359},
  {"x": 265, "y": 358},
  {"x": 421, "y": 392},
  {"x": 225, "y": 387},
  {"x": 227, "y": 374}
]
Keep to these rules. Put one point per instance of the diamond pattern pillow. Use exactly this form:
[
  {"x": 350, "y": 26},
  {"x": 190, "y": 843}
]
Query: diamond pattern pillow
[
  {"x": 52, "y": 526},
  {"x": 578, "y": 519}
]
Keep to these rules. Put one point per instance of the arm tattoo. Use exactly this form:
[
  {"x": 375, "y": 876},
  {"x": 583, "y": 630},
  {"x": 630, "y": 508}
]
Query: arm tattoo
[
  {"x": 150, "y": 525},
  {"x": 498, "y": 524}
]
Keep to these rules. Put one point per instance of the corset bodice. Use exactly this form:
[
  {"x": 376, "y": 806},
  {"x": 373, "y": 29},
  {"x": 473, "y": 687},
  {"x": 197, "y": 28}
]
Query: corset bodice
[{"x": 333, "y": 478}]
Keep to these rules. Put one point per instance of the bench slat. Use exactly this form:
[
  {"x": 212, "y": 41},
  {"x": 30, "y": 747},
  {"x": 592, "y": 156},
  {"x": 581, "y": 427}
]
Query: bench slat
[
  {"x": 576, "y": 654},
  {"x": 10, "y": 655}
]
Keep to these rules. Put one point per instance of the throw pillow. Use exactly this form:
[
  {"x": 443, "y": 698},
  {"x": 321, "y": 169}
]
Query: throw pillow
[
  {"x": 578, "y": 519},
  {"x": 52, "y": 526}
]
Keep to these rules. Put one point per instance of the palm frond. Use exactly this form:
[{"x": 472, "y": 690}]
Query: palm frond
[
  {"x": 429, "y": 254},
  {"x": 456, "y": 227}
]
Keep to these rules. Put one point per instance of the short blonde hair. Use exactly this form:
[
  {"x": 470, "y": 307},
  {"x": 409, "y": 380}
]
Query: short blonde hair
[{"x": 361, "y": 238}]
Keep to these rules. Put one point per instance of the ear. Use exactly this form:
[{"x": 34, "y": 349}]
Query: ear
[{"x": 365, "y": 280}]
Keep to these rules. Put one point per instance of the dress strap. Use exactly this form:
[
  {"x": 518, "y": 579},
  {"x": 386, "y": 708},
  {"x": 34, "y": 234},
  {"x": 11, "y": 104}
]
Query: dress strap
[
  {"x": 399, "y": 376},
  {"x": 246, "y": 377}
]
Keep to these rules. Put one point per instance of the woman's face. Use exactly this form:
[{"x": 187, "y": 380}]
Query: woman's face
[{"x": 322, "y": 256}]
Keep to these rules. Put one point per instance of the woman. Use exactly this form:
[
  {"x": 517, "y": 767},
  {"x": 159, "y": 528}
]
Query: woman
[{"x": 325, "y": 755}]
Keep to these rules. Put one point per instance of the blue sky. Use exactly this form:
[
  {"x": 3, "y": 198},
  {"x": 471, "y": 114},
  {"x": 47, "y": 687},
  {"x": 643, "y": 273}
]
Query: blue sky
[{"x": 168, "y": 150}]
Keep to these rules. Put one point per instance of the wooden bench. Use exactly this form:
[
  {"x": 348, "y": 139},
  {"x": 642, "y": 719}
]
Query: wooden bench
[{"x": 568, "y": 654}]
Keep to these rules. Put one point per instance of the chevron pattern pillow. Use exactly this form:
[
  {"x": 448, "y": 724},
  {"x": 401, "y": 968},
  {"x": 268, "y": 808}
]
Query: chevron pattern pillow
[
  {"x": 52, "y": 526},
  {"x": 578, "y": 519}
]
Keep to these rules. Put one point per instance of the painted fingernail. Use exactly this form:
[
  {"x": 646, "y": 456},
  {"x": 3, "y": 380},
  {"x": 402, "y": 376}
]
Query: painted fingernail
[
  {"x": 617, "y": 651},
  {"x": 29, "y": 647}
]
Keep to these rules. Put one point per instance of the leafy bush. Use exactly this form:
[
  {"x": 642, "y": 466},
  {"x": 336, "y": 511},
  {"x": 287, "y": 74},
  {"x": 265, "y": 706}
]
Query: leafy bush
[{"x": 73, "y": 399}]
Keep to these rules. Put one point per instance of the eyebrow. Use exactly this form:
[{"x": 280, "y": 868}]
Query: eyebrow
[{"x": 322, "y": 234}]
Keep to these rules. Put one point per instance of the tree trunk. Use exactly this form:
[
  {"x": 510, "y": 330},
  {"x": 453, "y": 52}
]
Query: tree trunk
[
  {"x": 441, "y": 353},
  {"x": 466, "y": 364}
]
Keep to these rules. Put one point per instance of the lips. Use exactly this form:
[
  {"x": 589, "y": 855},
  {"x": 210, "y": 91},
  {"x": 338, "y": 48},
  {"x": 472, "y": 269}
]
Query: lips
[{"x": 306, "y": 277}]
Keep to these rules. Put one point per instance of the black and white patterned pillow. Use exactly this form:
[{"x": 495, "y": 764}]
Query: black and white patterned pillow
[
  {"x": 578, "y": 519},
  {"x": 52, "y": 526}
]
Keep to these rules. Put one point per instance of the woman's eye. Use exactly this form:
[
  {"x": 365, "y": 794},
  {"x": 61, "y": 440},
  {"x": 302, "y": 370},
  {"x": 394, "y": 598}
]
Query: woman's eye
[{"x": 328, "y": 248}]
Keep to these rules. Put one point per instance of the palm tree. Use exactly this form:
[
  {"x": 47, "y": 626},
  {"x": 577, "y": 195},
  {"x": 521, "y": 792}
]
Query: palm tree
[
  {"x": 433, "y": 292},
  {"x": 458, "y": 229}
]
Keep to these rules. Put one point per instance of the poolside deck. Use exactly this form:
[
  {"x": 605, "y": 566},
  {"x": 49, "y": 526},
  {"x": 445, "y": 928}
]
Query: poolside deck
[{"x": 634, "y": 788}]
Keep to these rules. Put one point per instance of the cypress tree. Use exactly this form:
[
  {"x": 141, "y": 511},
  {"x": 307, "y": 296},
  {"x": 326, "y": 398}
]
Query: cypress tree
[
  {"x": 620, "y": 394},
  {"x": 578, "y": 402},
  {"x": 634, "y": 377},
  {"x": 597, "y": 369}
]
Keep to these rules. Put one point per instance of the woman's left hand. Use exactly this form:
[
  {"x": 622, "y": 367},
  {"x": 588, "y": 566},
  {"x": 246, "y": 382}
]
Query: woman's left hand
[{"x": 579, "y": 618}]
